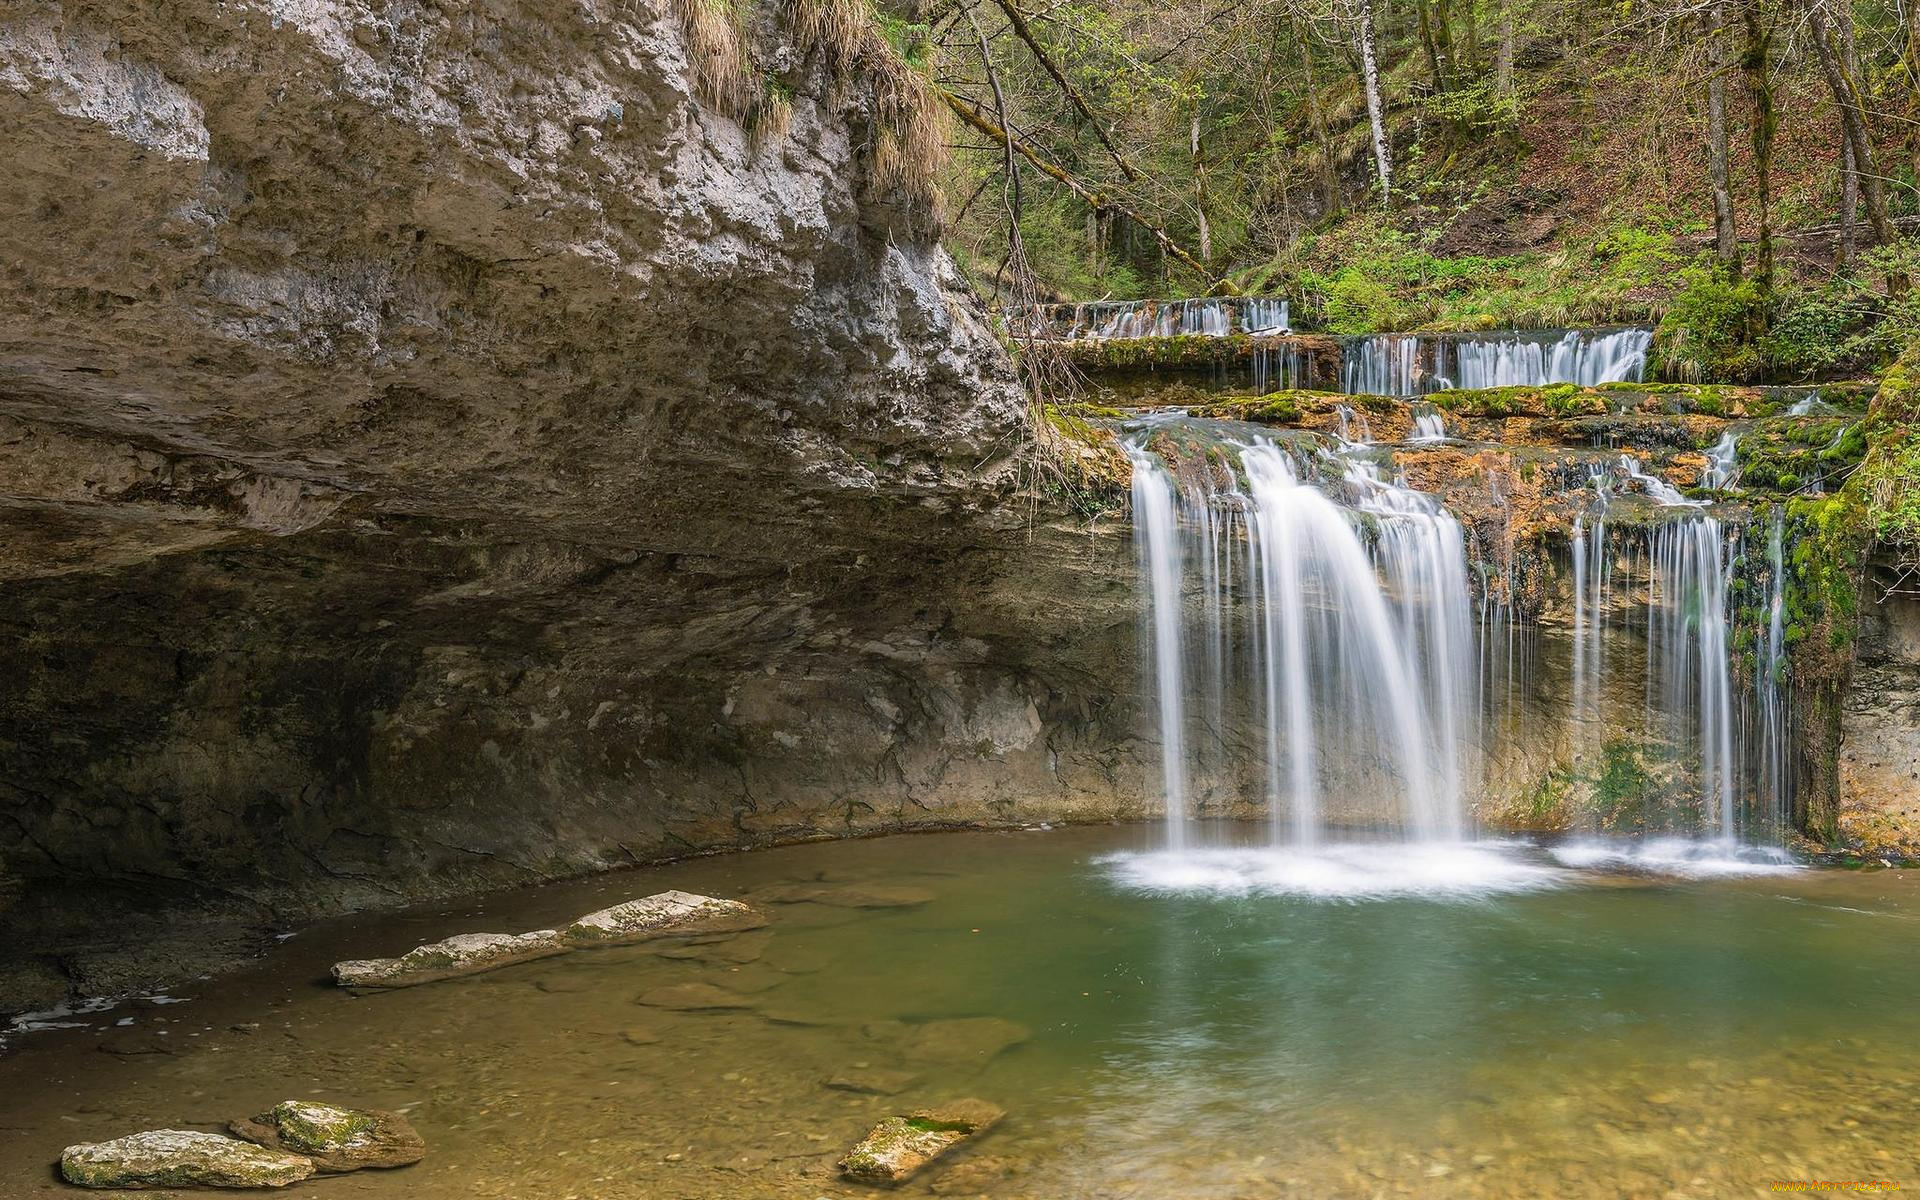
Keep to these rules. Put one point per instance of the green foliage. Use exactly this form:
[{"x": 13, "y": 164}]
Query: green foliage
[
  {"x": 1707, "y": 331},
  {"x": 1478, "y": 108}
]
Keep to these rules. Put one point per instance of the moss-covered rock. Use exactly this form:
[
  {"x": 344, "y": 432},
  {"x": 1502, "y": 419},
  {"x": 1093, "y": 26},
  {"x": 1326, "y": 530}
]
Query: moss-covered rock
[
  {"x": 336, "y": 1139},
  {"x": 652, "y": 916},
  {"x": 163, "y": 1158},
  {"x": 899, "y": 1147},
  {"x": 462, "y": 954}
]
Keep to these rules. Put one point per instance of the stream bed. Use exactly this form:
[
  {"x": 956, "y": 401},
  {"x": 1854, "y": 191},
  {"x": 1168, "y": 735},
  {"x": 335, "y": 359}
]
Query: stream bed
[{"x": 1152, "y": 1027}]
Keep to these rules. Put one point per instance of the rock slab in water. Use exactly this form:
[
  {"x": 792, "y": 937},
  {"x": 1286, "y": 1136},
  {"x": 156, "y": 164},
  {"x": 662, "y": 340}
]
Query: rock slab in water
[
  {"x": 693, "y": 997},
  {"x": 336, "y": 1139},
  {"x": 651, "y": 916},
  {"x": 899, "y": 1147},
  {"x": 846, "y": 895},
  {"x": 462, "y": 954},
  {"x": 180, "y": 1158},
  {"x": 964, "y": 1039}
]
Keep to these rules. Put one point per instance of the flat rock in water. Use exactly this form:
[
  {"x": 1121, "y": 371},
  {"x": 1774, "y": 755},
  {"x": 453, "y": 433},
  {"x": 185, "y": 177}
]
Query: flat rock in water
[
  {"x": 963, "y": 1039},
  {"x": 652, "y": 916},
  {"x": 872, "y": 1081},
  {"x": 898, "y": 1147},
  {"x": 336, "y": 1139},
  {"x": 180, "y": 1158},
  {"x": 693, "y": 997},
  {"x": 744, "y": 948},
  {"x": 846, "y": 895},
  {"x": 462, "y": 954}
]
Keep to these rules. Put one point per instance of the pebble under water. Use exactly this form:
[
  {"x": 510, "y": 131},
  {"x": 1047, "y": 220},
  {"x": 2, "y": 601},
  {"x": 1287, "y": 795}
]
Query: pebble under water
[{"x": 1610, "y": 1024}]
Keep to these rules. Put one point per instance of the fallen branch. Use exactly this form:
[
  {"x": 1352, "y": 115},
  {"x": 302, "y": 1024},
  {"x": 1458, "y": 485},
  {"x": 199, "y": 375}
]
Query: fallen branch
[{"x": 986, "y": 125}]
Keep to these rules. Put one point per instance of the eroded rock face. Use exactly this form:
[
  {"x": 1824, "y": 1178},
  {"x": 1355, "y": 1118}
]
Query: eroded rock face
[{"x": 438, "y": 452}]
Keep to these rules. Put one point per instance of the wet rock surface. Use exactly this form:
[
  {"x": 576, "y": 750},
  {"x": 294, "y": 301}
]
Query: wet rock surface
[
  {"x": 451, "y": 958},
  {"x": 180, "y": 1158},
  {"x": 336, "y": 1139},
  {"x": 899, "y": 1147},
  {"x": 616, "y": 484},
  {"x": 651, "y": 916}
]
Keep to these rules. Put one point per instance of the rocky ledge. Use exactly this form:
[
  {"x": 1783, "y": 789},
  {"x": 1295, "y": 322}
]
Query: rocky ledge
[{"x": 439, "y": 450}]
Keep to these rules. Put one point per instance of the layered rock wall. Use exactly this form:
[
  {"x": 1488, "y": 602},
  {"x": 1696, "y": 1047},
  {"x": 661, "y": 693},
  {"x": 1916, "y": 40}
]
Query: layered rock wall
[{"x": 437, "y": 451}]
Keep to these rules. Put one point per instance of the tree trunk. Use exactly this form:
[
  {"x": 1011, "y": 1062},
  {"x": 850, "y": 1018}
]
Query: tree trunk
[
  {"x": 1376, "y": 110},
  {"x": 1200, "y": 188},
  {"x": 1831, "y": 45},
  {"x": 1726, "y": 238},
  {"x": 1431, "y": 45},
  {"x": 1849, "y": 205},
  {"x": 1329, "y": 169},
  {"x": 1503, "y": 62},
  {"x": 1755, "y": 64}
]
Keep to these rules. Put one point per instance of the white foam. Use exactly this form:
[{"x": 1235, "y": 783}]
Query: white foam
[
  {"x": 1675, "y": 856},
  {"x": 1349, "y": 872}
]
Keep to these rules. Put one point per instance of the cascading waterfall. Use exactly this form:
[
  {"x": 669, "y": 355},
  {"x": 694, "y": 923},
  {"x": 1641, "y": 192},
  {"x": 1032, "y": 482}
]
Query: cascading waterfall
[
  {"x": 1210, "y": 316},
  {"x": 1157, "y": 547},
  {"x": 1687, "y": 641},
  {"x": 1408, "y": 364},
  {"x": 1357, "y": 652},
  {"x": 1428, "y": 425},
  {"x": 1723, "y": 462}
]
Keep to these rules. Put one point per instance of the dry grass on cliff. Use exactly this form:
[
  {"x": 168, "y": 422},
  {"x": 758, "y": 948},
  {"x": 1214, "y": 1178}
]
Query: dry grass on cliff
[
  {"x": 910, "y": 134},
  {"x": 717, "y": 50}
]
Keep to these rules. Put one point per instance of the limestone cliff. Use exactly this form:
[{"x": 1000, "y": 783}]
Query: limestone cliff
[{"x": 437, "y": 450}]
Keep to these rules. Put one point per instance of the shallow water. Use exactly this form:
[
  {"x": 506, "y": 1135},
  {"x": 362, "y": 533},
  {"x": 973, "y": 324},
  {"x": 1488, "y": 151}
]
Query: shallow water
[{"x": 1153, "y": 1029}]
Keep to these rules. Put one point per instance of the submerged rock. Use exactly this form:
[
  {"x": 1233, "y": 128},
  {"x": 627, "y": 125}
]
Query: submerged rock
[
  {"x": 850, "y": 895},
  {"x": 462, "y": 954},
  {"x": 180, "y": 1158},
  {"x": 651, "y": 916},
  {"x": 964, "y": 1039},
  {"x": 336, "y": 1139},
  {"x": 898, "y": 1147},
  {"x": 693, "y": 997},
  {"x": 872, "y": 1081}
]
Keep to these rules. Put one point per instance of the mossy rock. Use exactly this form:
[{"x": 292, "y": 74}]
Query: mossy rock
[
  {"x": 899, "y": 1147},
  {"x": 180, "y": 1158},
  {"x": 336, "y": 1139}
]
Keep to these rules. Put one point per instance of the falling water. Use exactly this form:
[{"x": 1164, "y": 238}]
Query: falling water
[
  {"x": 1352, "y": 623},
  {"x": 1407, "y": 364},
  {"x": 1723, "y": 465},
  {"x": 1687, "y": 639},
  {"x": 1776, "y": 783},
  {"x": 1157, "y": 545},
  {"x": 1264, "y": 316},
  {"x": 1428, "y": 426}
]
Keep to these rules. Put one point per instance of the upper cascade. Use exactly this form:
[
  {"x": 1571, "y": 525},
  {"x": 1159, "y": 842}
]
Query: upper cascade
[
  {"x": 1099, "y": 320},
  {"x": 1413, "y": 364}
]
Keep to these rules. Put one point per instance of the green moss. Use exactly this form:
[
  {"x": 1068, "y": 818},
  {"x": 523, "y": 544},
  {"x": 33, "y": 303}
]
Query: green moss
[{"x": 317, "y": 1127}]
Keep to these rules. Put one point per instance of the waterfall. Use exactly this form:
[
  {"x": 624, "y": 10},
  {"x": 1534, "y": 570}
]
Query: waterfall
[
  {"x": 1157, "y": 543},
  {"x": 1769, "y": 685},
  {"x": 1592, "y": 578},
  {"x": 1264, "y": 316},
  {"x": 1208, "y": 316},
  {"x": 1351, "y": 624},
  {"x": 1407, "y": 364},
  {"x": 1723, "y": 465},
  {"x": 1576, "y": 357},
  {"x": 1658, "y": 489},
  {"x": 1428, "y": 425},
  {"x": 1384, "y": 365},
  {"x": 1687, "y": 637}
]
